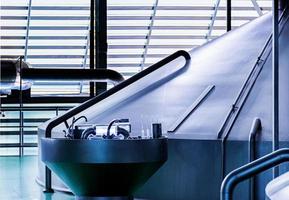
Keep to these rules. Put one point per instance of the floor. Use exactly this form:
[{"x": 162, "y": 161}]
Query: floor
[{"x": 17, "y": 180}]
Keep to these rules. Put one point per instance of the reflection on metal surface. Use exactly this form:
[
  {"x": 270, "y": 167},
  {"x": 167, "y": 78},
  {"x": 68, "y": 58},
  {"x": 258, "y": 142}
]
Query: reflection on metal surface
[{"x": 191, "y": 109}]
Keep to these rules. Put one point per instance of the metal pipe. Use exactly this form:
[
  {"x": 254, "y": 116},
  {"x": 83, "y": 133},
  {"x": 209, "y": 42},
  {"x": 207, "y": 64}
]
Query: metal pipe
[
  {"x": 251, "y": 169},
  {"x": 10, "y": 70},
  {"x": 275, "y": 82},
  {"x": 99, "y": 75},
  {"x": 255, "y": 129},
  {"x": 229, "y": 15}
]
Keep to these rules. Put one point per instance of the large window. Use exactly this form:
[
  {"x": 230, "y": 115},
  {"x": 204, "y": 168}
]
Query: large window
[{"x": 55, "y": 33}]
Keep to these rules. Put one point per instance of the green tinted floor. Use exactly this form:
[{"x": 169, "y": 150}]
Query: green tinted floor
[{"x": 17, "y": 180}]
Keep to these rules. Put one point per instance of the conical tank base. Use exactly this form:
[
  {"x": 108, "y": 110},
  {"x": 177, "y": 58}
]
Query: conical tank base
[{"x": 104, "y": 169}]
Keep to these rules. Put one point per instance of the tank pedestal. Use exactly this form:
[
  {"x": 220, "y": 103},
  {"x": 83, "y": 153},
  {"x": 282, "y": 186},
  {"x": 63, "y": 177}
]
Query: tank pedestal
[{"x": 104, "y": 169}]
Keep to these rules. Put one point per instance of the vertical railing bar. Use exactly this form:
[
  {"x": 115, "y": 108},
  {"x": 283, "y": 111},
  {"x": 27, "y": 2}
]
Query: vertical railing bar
[
  {"x": 149, "y": 35},
  {"x": 254, "y": 132},
  {"x": 27, "y": 30}
]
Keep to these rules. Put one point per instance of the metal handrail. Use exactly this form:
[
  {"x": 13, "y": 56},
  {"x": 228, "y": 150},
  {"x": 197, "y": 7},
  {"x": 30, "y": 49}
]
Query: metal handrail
[
  {"x": 255, "y": 129},
  {"x": 244, "y": 86},
  {"x": 251, "y": 169},
  {"x": 104, "y": 95},
  {"x": 246, "y": 82},
  {"x": 239, "y": 103},
  {"x": 242, "y": 96},
  {"x": 115, "y": 89}
]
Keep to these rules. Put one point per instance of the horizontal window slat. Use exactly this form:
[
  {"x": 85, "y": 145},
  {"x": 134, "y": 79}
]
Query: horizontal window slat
[
  {"x": 149, "y": 46},
  {"x": 7, "y": 145},
  {"x": 25, "y": 120},
  {"x": 130, "y": 8},
  {"x": 82, "y": 56},
  {"x": 110, "y": 37},
  {"x": 44, "y": 27},
  {"x": 114, "y": 27},
  {"x": 126, "y": 65},
  {"x": 135, "y": 55},
  {"x": 43, "y": 47},
  {"x": 166, "y": 27},
  {"x": 56, "y": 18},
  {"x": 45, "y": 8},
  {"x": 58, "y": 65},
  {"x": 17, "y": 132},
  {"x": 196, "y": 7},
  {"x": 44, "y": 37},
  {"x": 125, "y": 18},
  {"x": 190, "y": 18},
  {"x": 109, "y": 46}
]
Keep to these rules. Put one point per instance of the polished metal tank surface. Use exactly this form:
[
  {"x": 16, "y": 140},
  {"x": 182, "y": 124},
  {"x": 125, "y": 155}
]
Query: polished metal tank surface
[
  {"x": 278, "y": 189},
  {"x": 195, "y": 152},
  {"x": 102, "y": 167}
]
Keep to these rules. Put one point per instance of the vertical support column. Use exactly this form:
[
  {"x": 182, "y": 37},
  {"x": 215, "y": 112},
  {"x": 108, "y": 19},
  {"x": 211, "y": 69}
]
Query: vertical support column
[
  {"x": 91, "y": 44},
  {"x": 275, "y": 81},
  {"x": 100, "y": 40},
  {"x": 229, "y": 15},
  {"x": 27, "y": 30}
]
